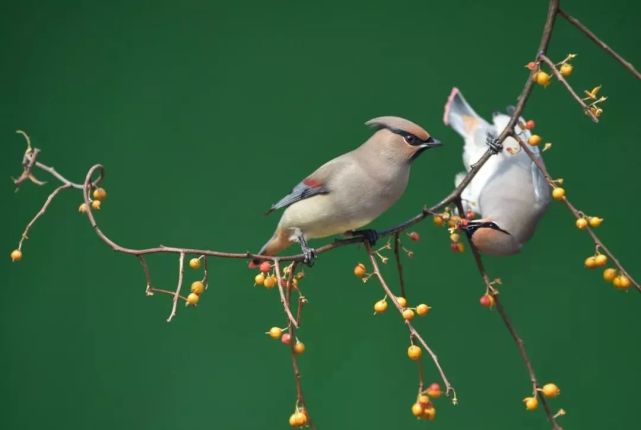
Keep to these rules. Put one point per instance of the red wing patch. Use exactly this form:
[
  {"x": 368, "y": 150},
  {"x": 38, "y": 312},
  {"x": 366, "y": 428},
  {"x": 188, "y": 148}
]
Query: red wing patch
[{"x": 312, "y": 183}]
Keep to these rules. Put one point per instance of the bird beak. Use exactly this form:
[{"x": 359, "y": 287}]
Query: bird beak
[{"x": 431, "y": 143}]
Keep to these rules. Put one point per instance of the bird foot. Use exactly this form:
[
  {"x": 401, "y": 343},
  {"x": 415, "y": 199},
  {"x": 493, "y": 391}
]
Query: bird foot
[
  {"x": 309, "y": 256},
  {"x": 494, "y": 144},
  {"x": 370, "y": 235}
]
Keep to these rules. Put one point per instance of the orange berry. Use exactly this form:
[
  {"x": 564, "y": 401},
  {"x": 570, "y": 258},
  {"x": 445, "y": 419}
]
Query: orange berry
[
  {"x": 194, "y": 263},
  {"x": 298, "y": 419},
  {"x": 269, "y": 282},
  {"x": 531, "y": 403},
  {"x": 566, "y": 69},
  {"x": 534, "y": 140},
  {"x": 581, "y": 223},
  {"x": 192, "y": 299},
  {"x": 590, "y": 262},
  {"x": 621, "y": 282},
  {"x": 424, "y": 400},
  {"x": 601, "y": 260},
  {"x": 487, "y": 300},
  {"x": 197, "y": 287},
  {"x": 265, "y": 266},
  {"x": 82, "y": 208},
  {"x": 414, "y": 352},
  {"x": 95, "y": 205},
  {"x": 531, "y": 65},
  {"x": 438, "y": 220},
  {"x": 16, "y": 255},
  {"x": 299, "y": 347},
  {"x": 542, "y": 78},
  {"x": 609, "y": 274},
  {"x": 429, "y": 414},
  {"x": 434, "y": 390},
  {"x": 408, "y": 314},
  {"x": 360, "y": 271},
  {"x": 99, "y": 194},
  {"x": 401, "y": 301},
  {"x": 550, "y": 390},
  {"x": 595, "y": 221},
  {"x": 530, "y": 124},
  {"x": 417, "y": 409},
  {"x": 380, "y": 306},
  {"x": 558, "y": 193},
  {"x": 422, "y": 309}
]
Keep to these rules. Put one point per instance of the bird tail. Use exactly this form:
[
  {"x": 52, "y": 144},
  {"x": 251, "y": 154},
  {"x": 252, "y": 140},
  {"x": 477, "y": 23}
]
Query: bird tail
[
  {"x": 459, "y": 115},
  {"x": 276, "y": 244}
]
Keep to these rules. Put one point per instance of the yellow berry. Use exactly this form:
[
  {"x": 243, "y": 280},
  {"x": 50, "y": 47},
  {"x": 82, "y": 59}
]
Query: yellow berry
[
  {"x": 192, "y": 299},
  {"x": 424, "y": 400},
  {"x": 534, "y": 140},
  {"x": 299, "y": 347},
  {"x": 401, "y": 301},
  {"x": 197, "y": 287},
  {"x": 408, "y": 314},
  {"x": 16, "y": 255},
  {"x": 417, "y": 409},
  {"x": 550, "y": 390},
  {"x": 531, "y": 403},
  {"x": 454, "y": 237},
  {"x": 609, "y": 274},
  {"x": 298, "y": 419},
  {"x": 595, "y": 221},
  {"x": 590, "y": 262},
  {"x": 380, "y": 306},
  {"x": 82, "y": 208},
  {"x": 566, "y": 69},
  {"x": 422, "y": 309},
  {"x": 269, "y": 282},
  {"x": 581, "y": 223},
  {"x": 414, "y": 352},
  {"x": 621, "y": 282},
  {"x": 95, "y": 204},
  {"x": 601, "y": 260},
  {"x": 438, "y": 220},
  {"x": 542, "y": 78},
  {"x": 275, "y": 332},
  {"x": 99, "y": 194},
  {"x": 194, "y": 263},
  {"x": 259, "y": 279},
  {"x": 429, "y": 414},
  {"x": 558, "y": 193},
  {"x": 360, "y": 271}
]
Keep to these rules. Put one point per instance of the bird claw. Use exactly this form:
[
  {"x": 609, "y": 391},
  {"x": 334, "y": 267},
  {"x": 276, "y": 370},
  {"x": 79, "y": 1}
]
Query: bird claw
[
  {"x": 494, "y": 144},
  {"x": 370, "y": 235},
  {"x": 309, "y": 256}
]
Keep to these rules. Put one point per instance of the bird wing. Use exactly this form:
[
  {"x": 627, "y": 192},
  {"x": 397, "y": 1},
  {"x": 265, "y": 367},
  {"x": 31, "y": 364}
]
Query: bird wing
[{"x": 314, "y": 184}]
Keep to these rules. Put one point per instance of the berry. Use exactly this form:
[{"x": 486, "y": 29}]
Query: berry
[
  {"x": 99, "y": 194},
  {"x": 16, "y": 255},
  {"x": 487, "y": 300},
  {"x": 299, "y": 347},
  {"x": 550, "y": 390},
  {"x": 417, "y": 409},
  {"x": 581, "y": 223},
  {"x": 531, "y": 403},
  {"x": 424, "y": 401},
  {"x": 275, "y": 332},
  {"x": 259, "y": 279},
  {"x": 95, "y": 205},
  {"x": 408, "y": 314},
  {"x": 530, "y": 124},
  {"x": 360, "y": 271},
  {"x": 457, "y": 246},
  {"x": 194, "y": 263},
  {"x": 542, "y": 78},
  {"x": 414, "y": 236},
  {"x": 455, "y": 237},
  {"x": 531, "y": 65},
  {"x": 380, "y": 306},
  {"x": 429, "y": 414},
  {"x": 566, "y": 69},
  {"x": 601, "y": 260},
  {"x": 422, "y": 309},
  {"x": 269, "y": 282},
  {"x": 558, "y": 193},
  {"x": 298, "y": 419},
  {"x": 192, "y": 299},
  {"x": 434, "y": 390},
  {"x": 401, "y": 301},
  {"x": 285, "y": 338},
  {"x": 414, "y": 352},
  {"x": 609, "y": 274},
  {"x": 438, "y": 220},
  {"x": 590, "y": 262},
  {"x": 621, "y": 282},
  {"x": 82, "y": 208},
  {"x": 534, "y": 140},
  {"x": 595, "y": 221},
  {"x": 197, "y": 287},
  {"x": 265, "y": 266}
]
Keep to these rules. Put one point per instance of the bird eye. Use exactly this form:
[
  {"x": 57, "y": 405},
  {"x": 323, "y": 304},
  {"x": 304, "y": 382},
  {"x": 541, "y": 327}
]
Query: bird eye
[{"x": 412, "y": 140}]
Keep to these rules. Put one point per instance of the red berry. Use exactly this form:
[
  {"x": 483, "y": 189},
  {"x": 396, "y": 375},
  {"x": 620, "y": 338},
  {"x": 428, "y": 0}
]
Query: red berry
[
  {"x": 414, "y": 236},
  {"x": 530, "y": 124},
  {"x": 487, "y": 300},
  {"x": 285, "y": 338},
  {"x": 265, "y": 266},
  {"x": 531, "y": 65}
]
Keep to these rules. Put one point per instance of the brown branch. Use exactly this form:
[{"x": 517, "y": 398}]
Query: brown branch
[
  {"x": 593, "y": 37},
  {"x": 41, "y": 212},
  {"x": 181, "y": 272},
  {"x": 517, "y": 339},
  {"x": 414, "y": 334},
  {"x": 283, "y": 299},
  {"x": 145, "y": 268},
  {"x": 573, "y": 93},
  {"x": 577, "y": 213},
  {"x": 399, "y": 265}
]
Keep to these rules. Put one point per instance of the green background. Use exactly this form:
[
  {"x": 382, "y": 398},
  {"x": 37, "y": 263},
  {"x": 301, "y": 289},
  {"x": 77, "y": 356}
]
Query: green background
[{"x": 204, "y": 113}]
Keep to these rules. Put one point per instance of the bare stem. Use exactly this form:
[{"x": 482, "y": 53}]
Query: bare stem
[
  {"x": 181, "y": 272},
  {"x": 399, "y": 265},
  {"x": 41, "y": 212}
]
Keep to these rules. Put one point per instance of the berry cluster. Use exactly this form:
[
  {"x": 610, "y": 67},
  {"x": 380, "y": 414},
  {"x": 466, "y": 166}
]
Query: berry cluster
[{"x": 423, "y": 408}]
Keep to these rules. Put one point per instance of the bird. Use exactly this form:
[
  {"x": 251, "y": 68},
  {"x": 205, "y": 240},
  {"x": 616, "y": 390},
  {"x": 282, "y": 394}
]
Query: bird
[
  {"x": 509, "y": 192},
  {"x": 351, "y": 190}
]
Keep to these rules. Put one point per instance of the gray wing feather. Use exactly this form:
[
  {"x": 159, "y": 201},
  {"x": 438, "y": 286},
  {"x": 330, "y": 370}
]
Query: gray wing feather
[{"x": 300, "y": 192}]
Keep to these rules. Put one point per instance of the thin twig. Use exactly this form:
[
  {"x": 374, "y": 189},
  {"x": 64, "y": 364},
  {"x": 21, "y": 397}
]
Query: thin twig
[
  {"x": 628, "y": 66},
  {"x": 181, "y": 272},
  {"x": 283, "y": 299},
  {"x": 41, "y": 212},
  {"x": 145, "y": 268},
  {"x": 399, "y": 266}
]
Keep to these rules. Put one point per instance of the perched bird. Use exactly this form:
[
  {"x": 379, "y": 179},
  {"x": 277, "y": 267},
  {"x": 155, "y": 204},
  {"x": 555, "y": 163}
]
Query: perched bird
[
  {"x": 509, "y": 192},
  {"x": 351, "y": 190}
]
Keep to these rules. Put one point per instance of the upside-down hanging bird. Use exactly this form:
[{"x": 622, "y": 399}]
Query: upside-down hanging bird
[
  {"x": 509, "y": 192},
  {"x": 351, "y": 190}
]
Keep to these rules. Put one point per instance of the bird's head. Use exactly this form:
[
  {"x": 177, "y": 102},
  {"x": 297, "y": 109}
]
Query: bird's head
[
  {"x": 401, "y": 137},
  {"x": 490, "y": 238}
]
